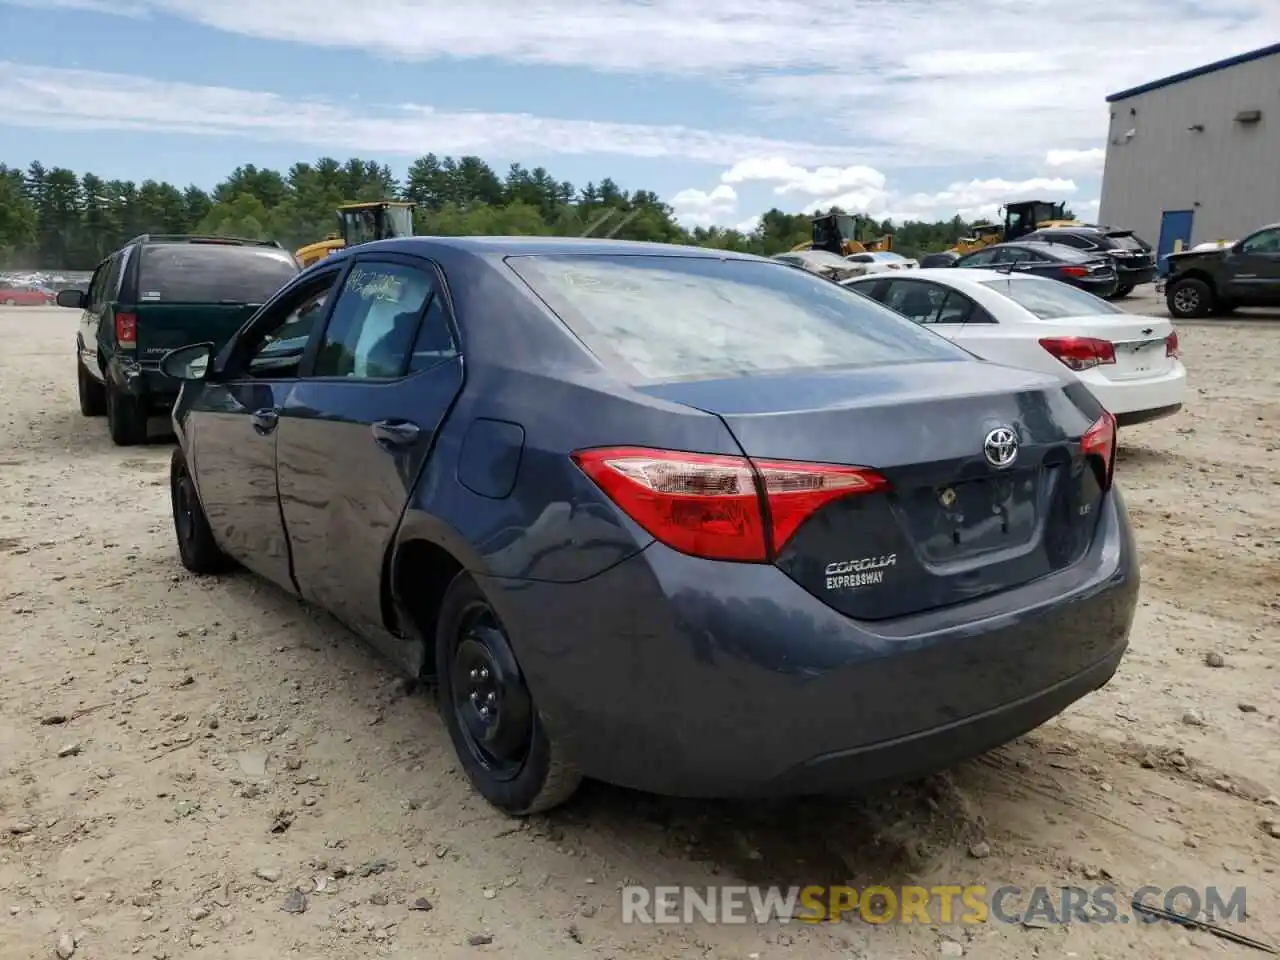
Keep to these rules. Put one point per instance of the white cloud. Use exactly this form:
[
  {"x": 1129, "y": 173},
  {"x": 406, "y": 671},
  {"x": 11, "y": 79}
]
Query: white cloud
[
  {"x": 863, "y": 189},
  {"x": 923, "y": 83},
  {"x": 698, "y": 208},
  {"x": 85, "y": 100},
  {"x": 1080, "y": 161},
  {"x": 790, "y": 178}
]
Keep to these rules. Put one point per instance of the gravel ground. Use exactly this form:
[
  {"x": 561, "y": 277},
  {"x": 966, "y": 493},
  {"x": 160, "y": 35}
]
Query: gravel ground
[{"x": 178, "y": 755}]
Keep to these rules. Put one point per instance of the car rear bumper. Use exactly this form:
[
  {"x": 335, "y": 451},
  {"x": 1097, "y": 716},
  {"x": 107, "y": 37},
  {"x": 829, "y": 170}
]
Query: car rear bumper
[
  {"x": 1130, "y": 399},
  {"x": 694, "y": 678},
  {"x": 146, "y": 382},
  {"x": 1136, "y": 276}
]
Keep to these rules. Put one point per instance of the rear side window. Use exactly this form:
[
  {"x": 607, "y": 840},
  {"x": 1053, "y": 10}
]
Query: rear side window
[
  {"x": 212, "y": 273},
  {"x": 1126, "y": 241},
  {"x": 1050, "y": 299},
  {"x": 684, "y": 318}
]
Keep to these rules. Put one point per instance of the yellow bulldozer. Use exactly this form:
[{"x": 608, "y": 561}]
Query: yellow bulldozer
[
  {"x": 1019, "y": 219},
  {"x": 361, "y": 223},
  {"x": 838, "y": 233}
]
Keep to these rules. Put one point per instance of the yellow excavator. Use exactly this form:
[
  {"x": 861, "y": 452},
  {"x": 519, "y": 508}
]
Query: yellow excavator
[
  {"x": 838, "y": 233},
  {"x": 1019, "y": 219},
  {"x": 361, "y": 223}
]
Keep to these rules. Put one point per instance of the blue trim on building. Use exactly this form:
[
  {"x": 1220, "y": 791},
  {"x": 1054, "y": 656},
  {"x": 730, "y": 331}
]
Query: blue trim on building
[{"x": 1197, "y": 72}]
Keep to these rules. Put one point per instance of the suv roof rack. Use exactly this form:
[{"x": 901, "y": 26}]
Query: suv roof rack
[{"x": 195, "y": 238}]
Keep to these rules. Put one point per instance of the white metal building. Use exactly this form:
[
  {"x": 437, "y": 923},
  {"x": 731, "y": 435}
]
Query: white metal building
[{"x": 1195, "y": 157}]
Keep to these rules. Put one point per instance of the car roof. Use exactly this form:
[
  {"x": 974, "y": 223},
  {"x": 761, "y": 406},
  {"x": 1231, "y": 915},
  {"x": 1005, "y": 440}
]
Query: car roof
[
  {"x": 548, "y": 246},
  {"x": 955, "y": 276}
]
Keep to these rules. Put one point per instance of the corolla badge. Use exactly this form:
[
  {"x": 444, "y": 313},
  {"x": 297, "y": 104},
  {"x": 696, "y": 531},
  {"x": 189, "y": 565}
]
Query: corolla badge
[
  {"x": 1001, "y": 447},
  {"x": 858, "y": 573}
]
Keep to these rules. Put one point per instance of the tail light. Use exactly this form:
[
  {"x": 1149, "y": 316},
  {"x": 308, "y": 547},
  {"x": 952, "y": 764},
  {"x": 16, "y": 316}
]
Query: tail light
[
  {"x": 1080, "y": 353},
  {"x": 1075, "y": 271},
  {"x": 720, "y": 507},
  {"x": 1171, "y": 346},
  {"x": 126, "y": 329},
  {"x": 1100, "y": 441}
]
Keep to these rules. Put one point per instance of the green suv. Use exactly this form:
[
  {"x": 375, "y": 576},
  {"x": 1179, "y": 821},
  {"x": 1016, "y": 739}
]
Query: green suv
[{"x": 154, "y": 294}]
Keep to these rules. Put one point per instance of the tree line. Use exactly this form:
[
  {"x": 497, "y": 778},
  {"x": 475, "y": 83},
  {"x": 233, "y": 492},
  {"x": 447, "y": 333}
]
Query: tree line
[{"x": 55, "y": 218}]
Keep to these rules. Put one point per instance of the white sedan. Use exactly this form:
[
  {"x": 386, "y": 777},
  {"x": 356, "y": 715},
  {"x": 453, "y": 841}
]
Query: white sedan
[{"x": 1130, "y": 363}]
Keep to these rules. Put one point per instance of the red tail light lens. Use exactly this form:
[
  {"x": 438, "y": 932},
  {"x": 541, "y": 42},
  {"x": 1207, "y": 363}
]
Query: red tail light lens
[
  {"x": 1171, "y": 346},
  {"x": 126, "y": 329},
  {"x": 1080, "y": 353},
  {"x": 1075, "y": 271},
  {"x": 716, "y": 506},
  {"x": 1100, "y": 441}
]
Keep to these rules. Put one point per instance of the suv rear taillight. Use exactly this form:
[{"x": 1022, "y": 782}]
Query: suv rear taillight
[
  {"x": 1080, "y": 353},
  {"x": 1171, "y": 346},
  {"x": 720, "y": 507},
  {"x": 126, "y": 329},
  {"x": 1099, "y": 441}
]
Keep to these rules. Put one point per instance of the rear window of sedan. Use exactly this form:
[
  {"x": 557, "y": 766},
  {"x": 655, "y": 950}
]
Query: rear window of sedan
[
  {"x": 686, "y": 318},
  {"x": 212, "y": 273},
  {"x": 1050, "y": 299}
]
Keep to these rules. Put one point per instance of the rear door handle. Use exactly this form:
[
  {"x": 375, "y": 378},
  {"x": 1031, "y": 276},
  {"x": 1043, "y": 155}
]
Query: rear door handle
[
  {"x": 265, "y": 420},
  {"x": 395, "y": 433}
]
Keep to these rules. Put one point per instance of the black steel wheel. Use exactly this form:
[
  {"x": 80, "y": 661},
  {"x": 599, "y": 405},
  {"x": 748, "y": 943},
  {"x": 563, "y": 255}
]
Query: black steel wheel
[
  {"x": 489, "y": 710},
  {"x": 197, "y": 549}
]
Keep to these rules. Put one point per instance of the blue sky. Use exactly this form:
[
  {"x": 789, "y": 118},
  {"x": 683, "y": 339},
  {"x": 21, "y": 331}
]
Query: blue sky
[{"x": 920, "y": 108}]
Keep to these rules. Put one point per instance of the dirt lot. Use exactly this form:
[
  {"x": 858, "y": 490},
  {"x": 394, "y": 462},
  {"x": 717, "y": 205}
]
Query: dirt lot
[{"x": 176, "y": 755}]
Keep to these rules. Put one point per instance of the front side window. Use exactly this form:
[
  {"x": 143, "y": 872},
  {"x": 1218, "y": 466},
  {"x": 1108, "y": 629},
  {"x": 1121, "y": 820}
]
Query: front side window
[
  {"x": 979, "y": 259},
  {"x": 275, "y": 349},
  {"x": 1268, "y": 241},
  {"x": 375, "y": 322},
  {"x": 684, "y": 318},
  {"x": 1050, "y": 299}
]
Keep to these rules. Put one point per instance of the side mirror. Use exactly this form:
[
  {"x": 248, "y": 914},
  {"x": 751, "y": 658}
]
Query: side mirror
[
  {"x": 74, "y": 299},
  {"x": 187, "y": 363}
]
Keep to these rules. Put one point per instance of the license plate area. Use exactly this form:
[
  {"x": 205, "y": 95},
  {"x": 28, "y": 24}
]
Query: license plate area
[
  {"x": 973, "y": 517},
  {"x": 1141, "y": 358}
]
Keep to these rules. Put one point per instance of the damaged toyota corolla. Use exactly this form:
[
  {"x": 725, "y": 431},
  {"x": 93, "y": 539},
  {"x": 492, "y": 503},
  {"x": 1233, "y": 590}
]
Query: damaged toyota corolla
[{"x": 683, "y": 520}]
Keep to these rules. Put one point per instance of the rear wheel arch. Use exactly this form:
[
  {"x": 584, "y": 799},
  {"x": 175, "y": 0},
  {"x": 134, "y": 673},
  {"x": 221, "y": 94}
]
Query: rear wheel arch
[{"x": 416, "y": 575}]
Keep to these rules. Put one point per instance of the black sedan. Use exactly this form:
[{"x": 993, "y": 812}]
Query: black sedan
[
  {"x": 1092, "y": 272},
  {"x": 685, "y": 520}
]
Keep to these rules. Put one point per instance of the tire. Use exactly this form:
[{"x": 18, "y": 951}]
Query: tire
[
  {"x": 508, "y": 754},
  {"x": 126, "y": 418},
  {"x": 93, "y": 396},
  {"x": 1122, "y": 291},
  {"x": 11, "y": 303},
  {"x": 197, "y": 549},
  {"x": 1189, "y": 298}
]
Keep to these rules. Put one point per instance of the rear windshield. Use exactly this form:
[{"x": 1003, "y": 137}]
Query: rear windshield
[
  {"x": 686, "y": 318},
  {"x": 212, "y": 273},
  {"x": 1127, "y": 241},
  {"x": 1050, "y": 299}
]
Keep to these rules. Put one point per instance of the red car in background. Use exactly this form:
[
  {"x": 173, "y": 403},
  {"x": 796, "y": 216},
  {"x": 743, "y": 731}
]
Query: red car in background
[{"x": 20, "y": 295}]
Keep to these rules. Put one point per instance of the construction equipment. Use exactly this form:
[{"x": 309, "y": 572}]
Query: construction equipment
[
  {"x": 838, "y": 233},
  {"x": 1020, "y": 219},
  {"x": 361, "y": 223}
]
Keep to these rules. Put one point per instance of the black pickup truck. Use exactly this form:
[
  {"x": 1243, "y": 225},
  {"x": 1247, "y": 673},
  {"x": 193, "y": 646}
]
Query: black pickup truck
[
  {"x": 1214, "y": 282},
  {"x": 154, "y": 294}
]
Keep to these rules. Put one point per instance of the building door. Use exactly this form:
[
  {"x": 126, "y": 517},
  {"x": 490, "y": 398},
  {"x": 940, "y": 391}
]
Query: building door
[{"x": 1175, "y": 225}]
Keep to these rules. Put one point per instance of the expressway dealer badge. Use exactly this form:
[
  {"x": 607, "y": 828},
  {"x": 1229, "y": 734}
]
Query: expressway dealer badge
[{"x": 843, "y": 574}]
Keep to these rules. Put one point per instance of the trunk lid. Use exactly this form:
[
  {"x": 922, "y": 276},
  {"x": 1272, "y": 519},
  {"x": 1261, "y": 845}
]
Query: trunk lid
[
  {"x": 952, "y": 526},
  {"x": 1139, "y": 342}
]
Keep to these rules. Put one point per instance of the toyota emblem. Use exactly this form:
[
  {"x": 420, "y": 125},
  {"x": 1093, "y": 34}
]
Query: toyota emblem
[{"x": 1001, "y": 447}]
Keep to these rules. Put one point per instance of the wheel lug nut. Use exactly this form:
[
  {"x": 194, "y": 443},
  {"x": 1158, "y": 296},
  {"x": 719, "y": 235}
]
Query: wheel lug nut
[
  {"x": 484, "y": 673},
  {"x": 484, "y": 711},
  {"x": 491, "y": 698},
  {"x": 475, "y": 674}
]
